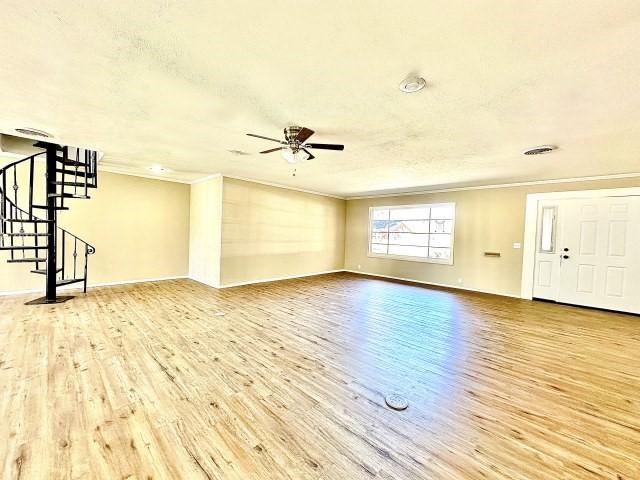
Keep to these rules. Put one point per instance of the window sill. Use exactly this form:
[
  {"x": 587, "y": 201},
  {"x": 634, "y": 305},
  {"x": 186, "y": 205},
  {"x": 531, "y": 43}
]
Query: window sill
[{"x": 448, "y": 261}]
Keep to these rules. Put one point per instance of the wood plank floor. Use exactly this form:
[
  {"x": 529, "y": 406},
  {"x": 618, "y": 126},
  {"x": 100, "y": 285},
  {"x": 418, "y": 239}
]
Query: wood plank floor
[{"x": 286, "y": 380}]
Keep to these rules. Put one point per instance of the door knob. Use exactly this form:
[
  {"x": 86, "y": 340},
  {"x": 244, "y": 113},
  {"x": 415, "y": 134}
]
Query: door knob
[
  {"x": 565, "y": 249},
  {"x": 565, "y": 256}
]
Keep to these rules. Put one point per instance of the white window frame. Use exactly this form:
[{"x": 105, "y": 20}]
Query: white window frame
[{"x": 448, "y": 261}]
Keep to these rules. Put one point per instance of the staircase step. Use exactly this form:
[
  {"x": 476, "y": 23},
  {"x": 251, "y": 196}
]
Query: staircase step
[
  {"x": 23, "y": 247},
  {"x": 43, "y": 271},
  {"x": 41, "y": 144},
  {"x": 68, "y": 281},
  {"x": 74, "y": 184},
  {"x": 26, "y": 260},
  {"x": 33, "y": 220},
  {"x": 25, "y": 234},
  {"x": 72, "y": 163},
  {"x": 73, "y": 172},
  {"x": 44, "y": 207},
  {"x": 68, "y": 195}
]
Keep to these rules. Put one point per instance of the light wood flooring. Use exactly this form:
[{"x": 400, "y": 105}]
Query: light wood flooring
[{"x": 286, "y": 380}]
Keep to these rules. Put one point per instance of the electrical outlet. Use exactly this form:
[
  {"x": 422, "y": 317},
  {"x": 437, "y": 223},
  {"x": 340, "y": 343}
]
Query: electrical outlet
[
  {"x": 460, "y": 281},
  {"x": 359, "y": 267},
  {"x": 517, "y": 245}
]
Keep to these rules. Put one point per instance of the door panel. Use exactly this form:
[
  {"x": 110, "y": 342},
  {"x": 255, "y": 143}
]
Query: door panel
[
  {"x": 620, "y": 208},
  {"x": 603, "y": 266},
  {"x": 617, "y": 238},
  {"x": 588, "y": 237},
  {"x": 614, "y": 286},
  {"x": 586, "y": 278},
  {"x": 547, "y": 265},
  {"x": 545, "y": 273}
]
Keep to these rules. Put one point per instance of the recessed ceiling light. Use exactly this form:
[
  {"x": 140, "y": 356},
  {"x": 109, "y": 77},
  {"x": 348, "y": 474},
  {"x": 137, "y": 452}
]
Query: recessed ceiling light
[
  {"x": 539, "y": 150},
  {"x": 412, "y": 83},
  {"x": 33, "y": 132},
  {"x": 157, "y": 169}
]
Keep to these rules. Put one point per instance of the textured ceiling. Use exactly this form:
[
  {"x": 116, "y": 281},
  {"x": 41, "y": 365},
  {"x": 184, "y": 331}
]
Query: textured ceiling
[{"x": 180, "y": 83}]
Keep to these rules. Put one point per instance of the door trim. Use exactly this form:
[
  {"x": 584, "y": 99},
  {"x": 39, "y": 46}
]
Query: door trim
[{"x": 531, "y": 226}]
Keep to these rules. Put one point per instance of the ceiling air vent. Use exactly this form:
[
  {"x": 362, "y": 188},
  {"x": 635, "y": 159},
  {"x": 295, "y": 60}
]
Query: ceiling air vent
[
  {"x": 33, "y": 132},
  {"x": 539, "y": 150}
]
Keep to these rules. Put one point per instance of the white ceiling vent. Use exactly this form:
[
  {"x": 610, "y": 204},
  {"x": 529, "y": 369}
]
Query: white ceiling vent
[
  {"x": 539, "y": 150},
  {"x": 33, "y": 132}
]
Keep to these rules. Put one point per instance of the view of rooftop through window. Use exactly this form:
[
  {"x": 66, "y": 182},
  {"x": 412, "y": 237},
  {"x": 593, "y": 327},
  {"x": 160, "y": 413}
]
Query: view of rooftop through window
[{"x": 413, "y": 232}]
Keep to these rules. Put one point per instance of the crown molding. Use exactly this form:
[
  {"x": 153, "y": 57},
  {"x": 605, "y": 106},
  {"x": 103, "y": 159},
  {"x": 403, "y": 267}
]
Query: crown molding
[
  {"x": 204, "y": 179},
  {"x": 380, "y": 195},
  {"x": 118, "y": 171},
  {"x": 501, "y": 185},
  {"x": 268, "y": 184}
]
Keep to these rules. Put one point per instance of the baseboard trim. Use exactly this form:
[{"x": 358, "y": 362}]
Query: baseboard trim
[
  {"x": 125, "y": 282},
  {"x": 91, "y": 285},
  {"x": 433, "y": 284},
  {"x": 276, "y": 279},
  {"x": 203, "y": 282},
  {"x": 266, "y": 280}
]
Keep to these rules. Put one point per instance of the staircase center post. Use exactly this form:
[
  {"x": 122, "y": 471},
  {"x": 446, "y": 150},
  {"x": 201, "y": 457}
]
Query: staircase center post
[{"x": 52, "y": 223}]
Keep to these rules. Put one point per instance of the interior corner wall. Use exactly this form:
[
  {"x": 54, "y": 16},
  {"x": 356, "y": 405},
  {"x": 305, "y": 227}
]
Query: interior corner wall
[
  {"x": 205, "y": 226},
  {"x": 270, "y": 232},
  {"x": 138, "y": 226},
  {"x": 486, "y": 220}
]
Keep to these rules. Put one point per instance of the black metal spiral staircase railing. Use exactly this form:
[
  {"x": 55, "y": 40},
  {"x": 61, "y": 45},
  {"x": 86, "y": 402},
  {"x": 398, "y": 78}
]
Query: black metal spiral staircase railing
[{"x": 54, "y": 252}]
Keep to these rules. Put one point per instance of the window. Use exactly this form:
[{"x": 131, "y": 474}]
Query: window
[
  {"x": 548, "y": 230},
  {"x": 413, "y": 232}
]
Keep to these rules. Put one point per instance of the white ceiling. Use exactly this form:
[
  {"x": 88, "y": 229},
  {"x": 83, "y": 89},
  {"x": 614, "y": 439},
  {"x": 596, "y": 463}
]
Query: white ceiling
[{"x": 180, "y": 83}]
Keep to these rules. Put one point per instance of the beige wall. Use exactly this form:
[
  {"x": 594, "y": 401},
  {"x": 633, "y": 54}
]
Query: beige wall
[
  {"x": 205, "y": 231},
  {"x": 244, "y": 231},
  {"x": 486, "y": 220},
  {"x": 270, "y": 232},
  {"x": 139, "y": 226}
]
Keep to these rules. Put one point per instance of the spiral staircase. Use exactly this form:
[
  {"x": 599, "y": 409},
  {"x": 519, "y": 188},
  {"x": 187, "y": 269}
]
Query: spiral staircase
[{"x": 29, "y": 208}]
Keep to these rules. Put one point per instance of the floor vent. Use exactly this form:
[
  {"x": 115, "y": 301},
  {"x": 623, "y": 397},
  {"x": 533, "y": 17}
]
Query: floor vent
[{"x": 396, "y": 401}]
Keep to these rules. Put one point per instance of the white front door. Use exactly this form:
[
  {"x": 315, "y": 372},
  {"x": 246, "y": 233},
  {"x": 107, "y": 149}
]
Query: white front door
[{"x": 595, "y": 259}]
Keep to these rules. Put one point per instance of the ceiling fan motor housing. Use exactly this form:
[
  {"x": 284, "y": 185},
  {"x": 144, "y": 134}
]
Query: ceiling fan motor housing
[
  {"x": 290, "y": 133},
  {"x": 294, "y": 148}
]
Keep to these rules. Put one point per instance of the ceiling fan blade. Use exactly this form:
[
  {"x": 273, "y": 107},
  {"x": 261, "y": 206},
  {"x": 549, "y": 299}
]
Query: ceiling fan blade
[
  {"x": 324, "y": 146},
  {"x": 272, "y": 150},
  {"x": 304, "y": 134},
  {"x": 265, "y": 138},
  {"x": 311, "y": 157}
]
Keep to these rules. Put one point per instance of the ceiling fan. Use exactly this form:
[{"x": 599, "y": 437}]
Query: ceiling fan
[{"x": 293, "y": 147}]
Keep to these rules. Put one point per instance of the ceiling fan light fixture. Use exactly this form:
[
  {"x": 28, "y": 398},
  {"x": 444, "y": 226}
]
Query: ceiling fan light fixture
[
  {"x": 412, "y": 84},
  {"x": 294, "y": 147},
  {"x": 294, "y": 157}
]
